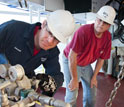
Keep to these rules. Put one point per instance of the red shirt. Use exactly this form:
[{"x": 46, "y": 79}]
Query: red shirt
[
  {"x": 88, "y": 47},
  {"x": 35, "y": 50}
]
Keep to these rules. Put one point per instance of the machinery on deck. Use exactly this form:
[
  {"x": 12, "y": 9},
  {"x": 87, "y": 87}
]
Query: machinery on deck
[{"x": 16, "y": 89}]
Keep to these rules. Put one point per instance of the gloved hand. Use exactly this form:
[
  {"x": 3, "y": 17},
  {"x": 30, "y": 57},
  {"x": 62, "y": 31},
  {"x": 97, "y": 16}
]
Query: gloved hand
[{"x": 47, "y": 84}]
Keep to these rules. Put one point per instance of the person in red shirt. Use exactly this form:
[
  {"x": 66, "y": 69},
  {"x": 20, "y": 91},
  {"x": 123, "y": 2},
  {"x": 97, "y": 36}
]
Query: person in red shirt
[{"x": 90, "y": 43}]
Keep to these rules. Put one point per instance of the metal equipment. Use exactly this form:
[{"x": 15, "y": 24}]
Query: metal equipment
[{"x": 16, "y": 91}]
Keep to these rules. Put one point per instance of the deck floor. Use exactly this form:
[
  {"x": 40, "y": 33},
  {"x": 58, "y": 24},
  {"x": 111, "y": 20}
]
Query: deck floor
[{"x": 105, "y": 86}]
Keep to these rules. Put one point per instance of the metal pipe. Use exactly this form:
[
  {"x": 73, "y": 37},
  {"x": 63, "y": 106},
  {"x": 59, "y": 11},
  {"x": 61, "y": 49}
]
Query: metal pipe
[{"x": 53, "y": 102}]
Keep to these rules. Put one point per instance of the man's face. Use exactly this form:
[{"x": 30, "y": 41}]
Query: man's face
[
  {"x": 101, "y": 26},
  {"x": 47, "y": 39}
]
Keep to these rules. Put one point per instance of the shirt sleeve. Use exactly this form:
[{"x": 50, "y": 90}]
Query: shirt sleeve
[
  {"x": 52, "y": 67},
  {"x": 5, "y": 34},
  {"x": 3, "y": 31}
]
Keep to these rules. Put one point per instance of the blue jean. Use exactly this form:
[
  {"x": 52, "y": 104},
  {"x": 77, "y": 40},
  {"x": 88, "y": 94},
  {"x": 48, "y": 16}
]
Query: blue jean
[
  {"x": 84, "y": 75},
  {"x": 3, "y": 59}
]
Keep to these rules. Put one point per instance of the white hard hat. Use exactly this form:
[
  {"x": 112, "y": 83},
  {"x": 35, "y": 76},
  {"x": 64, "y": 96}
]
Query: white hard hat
[
  {"x": 61, "y": 23},
  {"x": 107, "y": 14}
]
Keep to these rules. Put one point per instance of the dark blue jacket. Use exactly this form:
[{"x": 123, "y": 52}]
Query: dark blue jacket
[{"x": 17, "y": 43}]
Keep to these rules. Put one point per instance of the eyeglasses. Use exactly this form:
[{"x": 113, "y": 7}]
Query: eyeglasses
[
  {"x": 50, "y": 33},
  {"x": 103, "y": 21}
]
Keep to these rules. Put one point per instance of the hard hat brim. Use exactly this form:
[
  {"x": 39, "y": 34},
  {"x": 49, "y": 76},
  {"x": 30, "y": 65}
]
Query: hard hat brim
[{"x": 103, "y": 19}]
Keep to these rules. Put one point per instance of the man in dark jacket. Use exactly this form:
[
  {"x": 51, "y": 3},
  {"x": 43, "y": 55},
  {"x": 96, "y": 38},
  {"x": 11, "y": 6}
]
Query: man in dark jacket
[{"x": 31, "y": 45}]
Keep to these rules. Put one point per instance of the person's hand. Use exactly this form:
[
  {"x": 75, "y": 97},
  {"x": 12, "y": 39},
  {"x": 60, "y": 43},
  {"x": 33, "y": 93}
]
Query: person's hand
[
  {"x": 93, "y": 82},
  {"x": 73, "y": 84},
  {"x": 47, "y": 84}
]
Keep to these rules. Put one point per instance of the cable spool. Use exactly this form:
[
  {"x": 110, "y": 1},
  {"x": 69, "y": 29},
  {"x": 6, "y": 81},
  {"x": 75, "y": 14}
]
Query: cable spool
[
  {"x": 3, "y": 71},
  {"x": 16, "y": 72}
]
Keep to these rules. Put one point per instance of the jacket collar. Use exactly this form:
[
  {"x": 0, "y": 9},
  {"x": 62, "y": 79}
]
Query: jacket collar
[{"x": 30, "y": 36}]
